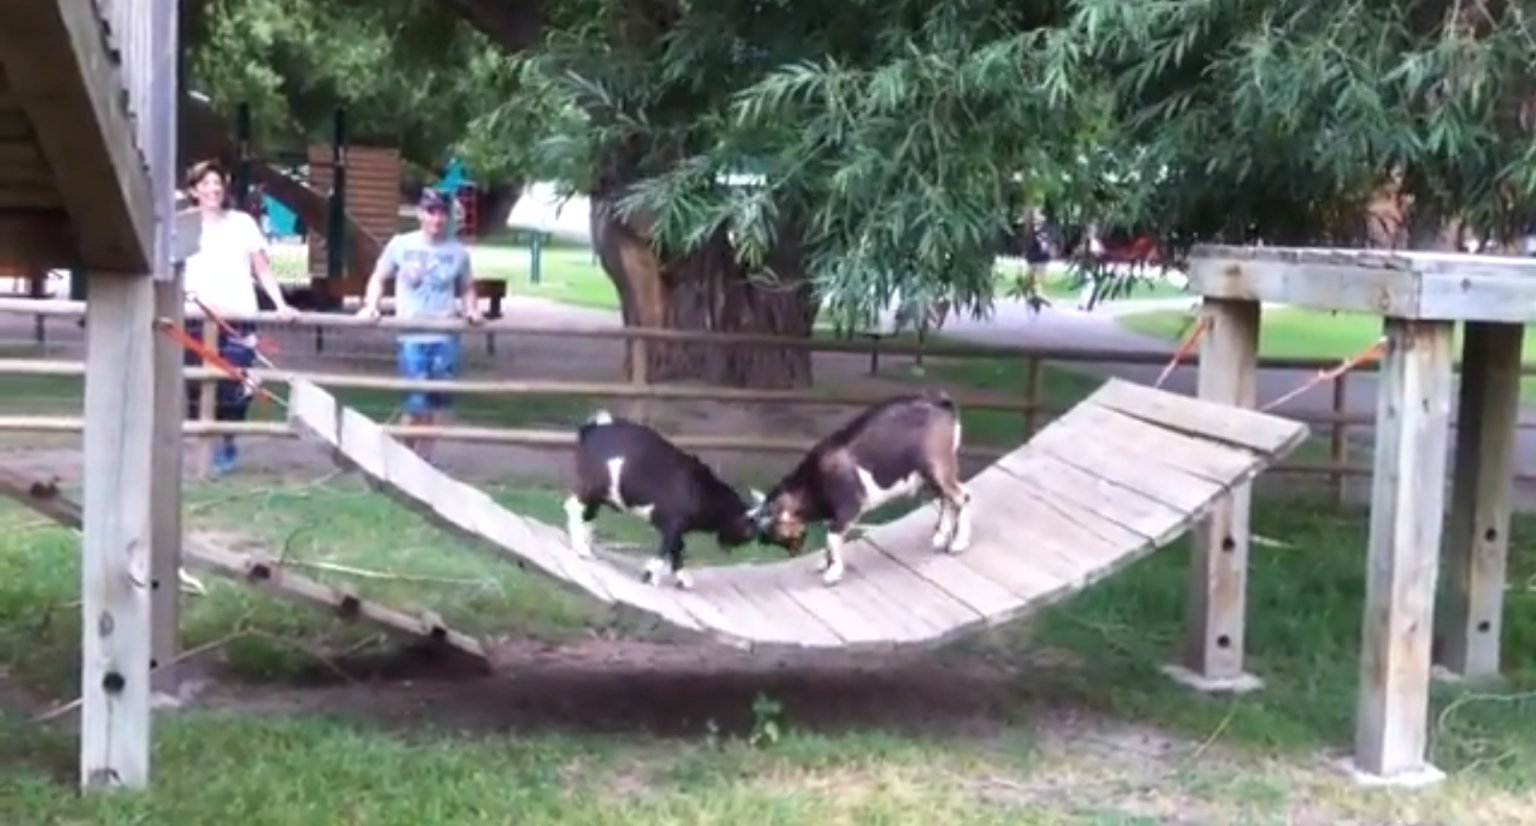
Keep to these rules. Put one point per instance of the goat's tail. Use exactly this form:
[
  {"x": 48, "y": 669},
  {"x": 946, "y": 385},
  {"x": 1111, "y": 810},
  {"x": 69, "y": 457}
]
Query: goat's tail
[{"x": 599, "y": 418}]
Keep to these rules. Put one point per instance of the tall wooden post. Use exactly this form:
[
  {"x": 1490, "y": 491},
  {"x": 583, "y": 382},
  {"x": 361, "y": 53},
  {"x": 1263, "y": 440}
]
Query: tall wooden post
[
  {"x": 165, "y": 536},
  {"x": 1407, "y": 503},
  {"x": 1477, "y": 531},
  {"x": 115, "y": 577},
  {"x": 175, "y": 241},
  {"x": 1213, "y": 651}
]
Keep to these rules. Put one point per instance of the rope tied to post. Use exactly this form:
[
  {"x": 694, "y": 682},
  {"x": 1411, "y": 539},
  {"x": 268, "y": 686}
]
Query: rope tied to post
[
  {"x": 1372, "y": 352},
  {"x": 212, "y": 357},
  {"x": 262, "y": 347},
  {"x": 1190, "y": 340}
]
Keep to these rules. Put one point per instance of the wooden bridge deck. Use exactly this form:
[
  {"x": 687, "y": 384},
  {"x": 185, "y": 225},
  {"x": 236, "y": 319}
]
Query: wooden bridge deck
[{"x": 1124, "y": 472}]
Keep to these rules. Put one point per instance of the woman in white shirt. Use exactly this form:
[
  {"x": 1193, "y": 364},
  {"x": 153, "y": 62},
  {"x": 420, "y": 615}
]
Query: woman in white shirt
[{"x": 232, "y": 251}]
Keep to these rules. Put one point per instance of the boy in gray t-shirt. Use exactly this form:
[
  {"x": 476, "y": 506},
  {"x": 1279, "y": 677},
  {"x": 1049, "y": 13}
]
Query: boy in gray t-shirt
[{"x": 432, "y": 274}]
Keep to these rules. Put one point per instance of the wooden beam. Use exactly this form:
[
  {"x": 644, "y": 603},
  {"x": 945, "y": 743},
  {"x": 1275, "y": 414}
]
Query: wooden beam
[
  {"x": 1478, "y": 526},
  {"x": 67, "y": 81},
  {"x": 1446, "y": 286},
  {"x": 165, "y": 527},
  {"x": 119, "y": 432},
  {"x": 1407, "y": 503},
  {"x": 1213, "y": 650}
]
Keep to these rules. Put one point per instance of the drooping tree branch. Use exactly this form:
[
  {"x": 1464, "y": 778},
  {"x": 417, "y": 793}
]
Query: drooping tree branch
[{"x": 515, "y": 24}]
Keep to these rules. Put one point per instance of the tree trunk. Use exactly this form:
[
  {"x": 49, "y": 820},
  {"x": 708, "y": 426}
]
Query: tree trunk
[
  {"x": 496, "y": 203},
  {"x": 708, "y": 291}
]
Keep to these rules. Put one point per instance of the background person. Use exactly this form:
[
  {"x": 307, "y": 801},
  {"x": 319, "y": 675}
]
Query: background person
[
  {"x": 231, "y": 253},
  {"x": 432, "y": 277}
]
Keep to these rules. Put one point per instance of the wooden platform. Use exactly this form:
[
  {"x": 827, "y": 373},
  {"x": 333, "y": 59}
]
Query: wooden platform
[
  {"x": 1122, "y": 473},
  {"x": 1445, "y": 286},
  {"x": 240, "y": 559}
]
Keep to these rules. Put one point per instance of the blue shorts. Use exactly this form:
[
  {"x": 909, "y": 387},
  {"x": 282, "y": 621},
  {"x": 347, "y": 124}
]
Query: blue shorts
[{"x": 434, "y": 360}]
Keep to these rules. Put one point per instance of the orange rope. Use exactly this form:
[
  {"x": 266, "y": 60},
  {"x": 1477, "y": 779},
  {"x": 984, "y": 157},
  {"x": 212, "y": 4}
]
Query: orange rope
[
  {"x": 210, "y": 356},
  {"x": 261, "y": 348},
  {"x": 1190, "y": 340},
  {"x": 1369, "y": 353}
]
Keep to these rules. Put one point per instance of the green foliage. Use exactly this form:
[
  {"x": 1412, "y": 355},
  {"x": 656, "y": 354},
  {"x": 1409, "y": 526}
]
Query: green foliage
[
  {"x": 1277, "y": 120},
  {"x": 408, "y": 74}
]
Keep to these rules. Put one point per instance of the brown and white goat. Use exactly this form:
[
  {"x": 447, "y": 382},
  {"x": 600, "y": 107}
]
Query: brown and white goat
[
  {"x": 633, "y": 469},
  {"x": 893, "y": 449}
]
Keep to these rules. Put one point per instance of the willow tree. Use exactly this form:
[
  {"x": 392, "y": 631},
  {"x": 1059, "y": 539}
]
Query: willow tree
[
  {"x": 719, "y": 204},
  {"x": 1237, "y": 121}
]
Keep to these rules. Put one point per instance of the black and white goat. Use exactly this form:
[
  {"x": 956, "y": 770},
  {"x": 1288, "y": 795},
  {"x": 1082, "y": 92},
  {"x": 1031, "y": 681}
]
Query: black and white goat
[
  {"x": 633, "y": 469},
  {"x": 893, "y": 449}
]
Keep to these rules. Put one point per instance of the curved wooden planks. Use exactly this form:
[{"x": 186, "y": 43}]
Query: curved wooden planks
[{"x": 1102, "y": 486}]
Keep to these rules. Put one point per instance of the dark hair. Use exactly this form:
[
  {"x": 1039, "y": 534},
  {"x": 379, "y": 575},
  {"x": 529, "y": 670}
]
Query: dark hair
[{"x": 200, "y": 170}]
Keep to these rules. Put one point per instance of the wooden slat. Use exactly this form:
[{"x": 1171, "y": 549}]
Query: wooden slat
[
  {"x": 909, "y": 592},
  {"x": 1051, "y": 543},
  {"x": 762, "y": 587},
  {"x": 1081, "y": 448},
  {"x": 1270, "y": 435},
  {"x": 908, "y": 543},
  {"x": 1182, "y": 452},
  {"x": 1133, "y": 510}
]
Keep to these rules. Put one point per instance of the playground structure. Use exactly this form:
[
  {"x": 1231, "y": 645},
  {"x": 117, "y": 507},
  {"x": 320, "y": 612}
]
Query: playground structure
[
  {"x": 101, "y": 199},
  {"x": 1421, "y": 296}
]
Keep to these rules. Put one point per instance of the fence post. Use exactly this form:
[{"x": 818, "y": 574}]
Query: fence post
[
  {"x": 639, "y": 369},
  {"x": 1337, "y": 454},
  {"x": 1033, "y": 378}
]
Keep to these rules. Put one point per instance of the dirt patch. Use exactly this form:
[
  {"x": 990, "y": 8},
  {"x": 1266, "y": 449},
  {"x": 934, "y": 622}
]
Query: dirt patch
[{"x": 619, "y": 687}]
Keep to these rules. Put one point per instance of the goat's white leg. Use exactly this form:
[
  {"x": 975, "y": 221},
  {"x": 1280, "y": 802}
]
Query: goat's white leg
[
  {"x": 942, "y": 531},
  {"x": 832, "y": 571},
  {"x": 578, "y": 528},
  {"x": 655, "y": 569},
  {"x": 962, "y": 538}
]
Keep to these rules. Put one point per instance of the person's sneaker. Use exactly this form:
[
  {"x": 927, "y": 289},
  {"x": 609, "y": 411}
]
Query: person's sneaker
[{"x": 224, "y": 458}]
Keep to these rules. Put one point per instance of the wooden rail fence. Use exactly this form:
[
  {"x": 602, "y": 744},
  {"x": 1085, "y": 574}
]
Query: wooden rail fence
[{"x": 1033, "y": 409}]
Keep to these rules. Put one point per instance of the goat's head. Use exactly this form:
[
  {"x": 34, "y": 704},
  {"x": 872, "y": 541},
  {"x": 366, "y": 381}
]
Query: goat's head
[{"x": 779, "y": 518}]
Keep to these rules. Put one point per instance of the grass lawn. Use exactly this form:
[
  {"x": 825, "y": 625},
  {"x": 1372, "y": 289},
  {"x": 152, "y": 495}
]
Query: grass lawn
[{"x": 312, "y": 768}]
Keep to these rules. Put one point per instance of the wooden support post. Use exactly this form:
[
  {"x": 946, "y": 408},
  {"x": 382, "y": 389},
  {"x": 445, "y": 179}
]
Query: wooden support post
[
  {"x": 1407, "y": 503},
  {"x": 1478, "y": 529},
  {"x": 1338, "y": 444},
  {"x": 165, "y": 530},
  {"x": 1213, "y": 651},
  {"x": 119, "y": 419}
]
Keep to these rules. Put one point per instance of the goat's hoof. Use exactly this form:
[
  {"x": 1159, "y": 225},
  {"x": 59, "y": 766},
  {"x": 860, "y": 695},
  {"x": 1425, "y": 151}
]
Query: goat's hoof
[
  {"x": 940, "y": 540},
  {"x": 960, "y": 545},
  {"x": 683, "y": 580},
  {"x": 583, "y": 552},
  {"x": 832, "y": 575},
  {"x": 653, "y": 572}
]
